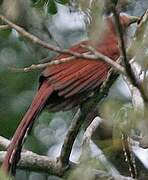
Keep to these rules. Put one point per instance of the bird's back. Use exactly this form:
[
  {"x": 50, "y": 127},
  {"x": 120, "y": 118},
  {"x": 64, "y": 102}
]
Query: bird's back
[{"x": 73, "y": 81}]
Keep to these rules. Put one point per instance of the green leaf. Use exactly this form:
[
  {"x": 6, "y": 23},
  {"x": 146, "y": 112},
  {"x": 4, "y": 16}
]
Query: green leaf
[
  {"x": 115, "y": 1},
  {"x": 40, "y": 3},
  {"x": 3, "y": 176},
  {"x": 34, "y": 1},
  {"x": 5, "y": 33},
  {"x": 1, "y": 1},
  {"x": 62, "y": 1},
  {"x": 51, "y": 4},
  {"x": 52, "y": 8}
]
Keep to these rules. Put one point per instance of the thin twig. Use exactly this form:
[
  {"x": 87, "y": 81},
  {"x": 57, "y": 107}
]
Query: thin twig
[
  {"x": 137, "y": 100},
  {"x": 4, "y": 27},
  {"x": 42, "y": 66},
  {"x": 90, "y": 130},
  {"x": 98, "y": 55},
  {"x": 102, "y": 57},
  {"x": 38, "y": 41},
  {"x": 129, "y": 158},
  {"x": 85, "y": 148},
  {"x": 70, "y": 138}
]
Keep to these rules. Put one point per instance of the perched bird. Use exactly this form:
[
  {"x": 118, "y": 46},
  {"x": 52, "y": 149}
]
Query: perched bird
[{"x": 66, "y": 85}]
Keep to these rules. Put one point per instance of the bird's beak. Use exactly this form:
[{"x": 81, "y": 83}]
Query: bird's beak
[{"x": 133, "y": 19}]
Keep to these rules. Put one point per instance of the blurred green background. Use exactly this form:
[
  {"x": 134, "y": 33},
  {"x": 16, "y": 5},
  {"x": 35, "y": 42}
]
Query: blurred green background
[{"x": 17, "y": 88}]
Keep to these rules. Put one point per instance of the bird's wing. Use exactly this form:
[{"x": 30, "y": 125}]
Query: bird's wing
[{"x": 79, "y": 75}]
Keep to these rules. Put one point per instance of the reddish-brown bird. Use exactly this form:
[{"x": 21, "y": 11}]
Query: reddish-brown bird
[{"x": 66, "y": 85}]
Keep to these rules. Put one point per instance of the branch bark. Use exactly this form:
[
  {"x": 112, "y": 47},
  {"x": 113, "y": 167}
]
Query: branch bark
[
  {"x": 70, "y": 138},
  {"x": 90, "y": 130},
  {"x": 4, "y": 27}
]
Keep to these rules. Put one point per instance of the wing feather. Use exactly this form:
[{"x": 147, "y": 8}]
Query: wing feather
[
  {"x": 52, "y": 70},
  {"x": 87, "y": 83},
  {"x": 75, "y": 77},
  {"x": 74, "y": 67},
  {"x": 79, "y": 75},
  {"x": 84, "y": 77}
]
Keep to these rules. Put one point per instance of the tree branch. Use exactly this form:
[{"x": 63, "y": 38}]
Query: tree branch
[
  {"x": 32, "y": 161},
  {"x": 90, "y": 130},
  {"x": 4, "y": 27},
  {"x": 85, "y": 148},
  {"x": 35, "y": 162},
  {"x": 129, "y": 155},
  {"x": 70, "y": 138}
]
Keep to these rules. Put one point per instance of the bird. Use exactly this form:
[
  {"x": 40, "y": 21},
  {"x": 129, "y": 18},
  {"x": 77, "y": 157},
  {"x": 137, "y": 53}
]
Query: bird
[{"x": 67, "y": 85}]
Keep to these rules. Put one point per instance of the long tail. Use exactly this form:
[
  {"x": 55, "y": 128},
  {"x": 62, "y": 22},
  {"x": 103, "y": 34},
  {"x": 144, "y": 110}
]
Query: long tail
[{"x": 14, "y": 149}]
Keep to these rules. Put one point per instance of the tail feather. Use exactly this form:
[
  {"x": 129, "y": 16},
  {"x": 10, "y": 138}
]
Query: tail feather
[{"x": 14, "y": 149}]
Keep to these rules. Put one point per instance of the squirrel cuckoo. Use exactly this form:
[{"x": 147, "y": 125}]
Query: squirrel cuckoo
[{"x": 67, "y": 85}]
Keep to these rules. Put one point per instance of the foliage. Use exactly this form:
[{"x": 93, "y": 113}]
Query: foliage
[
  {"x": 17, "y": 89},
  {"x": 51, "y": 4}
]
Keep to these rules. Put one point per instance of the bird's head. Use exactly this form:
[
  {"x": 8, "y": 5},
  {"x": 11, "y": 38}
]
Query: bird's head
[{"x": 126, "y": 20}]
